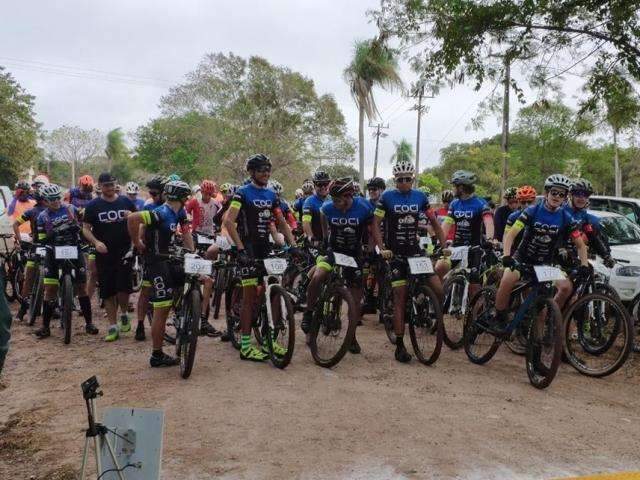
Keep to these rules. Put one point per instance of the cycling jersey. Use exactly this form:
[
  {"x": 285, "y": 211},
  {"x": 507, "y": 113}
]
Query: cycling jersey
[
  {"x": 161, "y": 225},
  {"x": 31, "y": 216},
  {"x": 151, "y": 205},
  {"x": 297, "y": 208},
  {"x": 590, "y": 230},
  {"x": 500, "y": 218},
  {"x": 59, "y": 226},
  {"x": 311, "y": 213},
  {"x": 203, "y": 214},
  {"x": 510, "y": 221},
  {"x": 543, "y": 232},
  {"x": 467, "y": 216},
  {"x": 138, "y": 203},
  {"x": 258, "y": 207},
  {"x": 288, "y": 214},
  {"x": 401, "y": 211},
  {"x": 78, "y": 198},
  {"x": 346, "y": 228},
  {"x": 442, "y": 213}
]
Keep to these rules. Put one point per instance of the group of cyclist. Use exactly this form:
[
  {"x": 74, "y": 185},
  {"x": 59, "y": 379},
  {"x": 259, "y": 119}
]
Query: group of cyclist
[{"x": 330, "y": 215}]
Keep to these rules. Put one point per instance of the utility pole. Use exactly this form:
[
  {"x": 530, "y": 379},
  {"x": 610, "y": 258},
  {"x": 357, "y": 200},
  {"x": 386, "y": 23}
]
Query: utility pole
[
  {"x": 505, "y": 126},
  {"x": 377, "y": 134},
  {"x": 420, "y": 109}
]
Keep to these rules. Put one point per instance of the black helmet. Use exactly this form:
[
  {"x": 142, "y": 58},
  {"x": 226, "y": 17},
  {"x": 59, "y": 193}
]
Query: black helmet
[
  {"x": 376, "y": 182},
  {"x": 321, "y": 176},
  {"x": 157, "y": 183},
  {"x": 37, "y": 196},
  {"x": 177, "y": 190},
  {"x": 258, "y": 161},
  {"x": 510, "y": 193},
  {"x": 447, "y": 196},
  {"x": 582, "y": 185},
  {"x": 342, "y": 186}
]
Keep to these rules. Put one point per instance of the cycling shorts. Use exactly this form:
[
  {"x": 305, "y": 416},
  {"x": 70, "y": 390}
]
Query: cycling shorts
[
  {"x": 165, "y": 278},
  {"x": 352, "y": 276}
]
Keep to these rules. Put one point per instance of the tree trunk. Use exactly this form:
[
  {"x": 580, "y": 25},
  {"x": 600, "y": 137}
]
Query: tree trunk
[
  {"x": 361, "y": 143},
  {"x": 420, "y": 94},
  {"x": 375, "y": 158},
  {"x": 73, "y": 172},
  {"x": 505, "y": 129},
  {"x": 616, "y": 164}
]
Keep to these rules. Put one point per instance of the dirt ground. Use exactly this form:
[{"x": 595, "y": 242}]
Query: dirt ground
[{"x": 368, "y": 418}]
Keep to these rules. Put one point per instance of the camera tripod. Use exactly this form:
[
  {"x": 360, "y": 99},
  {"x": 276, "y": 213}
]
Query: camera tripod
[{"x": 96, "y": 431}]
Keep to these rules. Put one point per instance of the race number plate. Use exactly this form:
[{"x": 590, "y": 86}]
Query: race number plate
[
  {"x": 275, "y": 266},
  {"x": 41, "y": 251},
  {"x": 462, "y": 254},
  {"x": 66, "y": 253},
  {"x": 420, "y": 265},
  {"x": 425, "y": 241},
  {"x": 202, "y": 240},
  {"x": 544, "y": 273},
  {"x": 198, "y": 266},
  {"x": 223, "y": 242},
  {"x": 345, "y": 260}
]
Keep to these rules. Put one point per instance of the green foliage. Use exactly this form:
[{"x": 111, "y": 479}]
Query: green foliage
[
  {"x": 403, "y": 153},
  {"x": 341, "y": 171},
  {"x": 430, "y": 181},
  {"x": 19, "y": 131}
]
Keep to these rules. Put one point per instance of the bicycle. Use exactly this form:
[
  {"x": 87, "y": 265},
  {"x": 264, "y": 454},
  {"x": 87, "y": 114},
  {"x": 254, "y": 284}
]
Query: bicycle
[
  {"x": 37, "y": 288},
  {"x": 325, "y": 339},
  {"x": 296, "y": 278},
  {"x": 539, "y": 310}
]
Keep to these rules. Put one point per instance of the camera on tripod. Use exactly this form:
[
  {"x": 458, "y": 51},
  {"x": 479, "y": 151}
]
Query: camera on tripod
[{"x": 90, "y": 388}]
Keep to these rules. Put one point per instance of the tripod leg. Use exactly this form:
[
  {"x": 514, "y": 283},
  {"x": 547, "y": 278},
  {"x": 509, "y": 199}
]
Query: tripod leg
[
  {"x": 85, "y": 454},
  {"x": 113, "y": 457},
  {"x": 96, "y": 440}
]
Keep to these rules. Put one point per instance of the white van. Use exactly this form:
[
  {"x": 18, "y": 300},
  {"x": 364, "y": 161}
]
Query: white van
[{"x": 627, "y": 207}]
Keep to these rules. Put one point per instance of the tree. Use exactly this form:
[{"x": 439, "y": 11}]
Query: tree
[
  {"x": 373, "y": 64},
  {"x": 403, "y": 153},
  {"x": 74, "y": 146},
  {"x": 341, "y": 171},
  {"x": 19, "y": 131},
  {"x": 430, "y": 181}
]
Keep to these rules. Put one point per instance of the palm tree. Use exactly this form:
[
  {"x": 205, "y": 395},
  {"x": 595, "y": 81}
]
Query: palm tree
[
  {"x": 373, "y": 64},
  {"x": 404, "y": 152}
]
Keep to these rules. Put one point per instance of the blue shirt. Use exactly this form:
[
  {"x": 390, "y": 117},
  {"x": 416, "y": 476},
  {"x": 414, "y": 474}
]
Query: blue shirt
[
  {"x": 346, "y": 228},
  {"x": 311, "y": 213},
  {"x": 257, "y": 209},
  {"x": 161, "y": 225},
  {"x": 50, "y": 222},
  {"x": 467, "y": 216}
]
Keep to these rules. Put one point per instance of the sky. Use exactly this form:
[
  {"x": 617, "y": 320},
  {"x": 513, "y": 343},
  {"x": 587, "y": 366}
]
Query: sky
[{"x": 106, "y": 64}]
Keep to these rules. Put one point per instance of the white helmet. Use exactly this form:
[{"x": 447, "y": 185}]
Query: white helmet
[
  {"x": 404, "y": 168},
  {"x": 557, "y": 180},
  {"x": 132, "y": 188},
  {"x": 51, "y": 191},
  {"x": 276, "y": 186},
  {"x": 196, "y": 188},
  {"x": 299, "y": 193}
]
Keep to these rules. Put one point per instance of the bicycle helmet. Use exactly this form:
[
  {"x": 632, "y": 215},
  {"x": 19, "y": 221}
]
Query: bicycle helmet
[
  {"x": 224, "y": 188},
  {"x": 177, "y": 190},
  {"x": 23, "y": 185},
  {"x": 173, "y": 177},
  {"x": 208, "y": 187},
  {"x": 403, "y": 168},
  {"x": 51, "y": 192},
  {"x": 86, "y": 181},
  {"x": 510, "y": 193},
  {"x": 37, "y": 196},
  {"x": 557, "y": 180},
  {"x": 341, "y": 187},
  {"x": 40, "y": 179},
  {"x": 447, "y": 196},
  {"x": 307, "y": 187},
  {"x": 132, "y": 188},
  {"x": 233, "y": 189},
  {"x": 157, "y": 183},
  {"x": 299, "y": 193},
  {"x": 526, "y": 193},
  {"x": 356, "y": 189},
  {"x": 582, "y": 185},
  {"x": 276, "y": 186},
  {"x": 258, "y": 161},
  {"x": 376, "y": 182},
  {"x": 321, "y": 176},
  {"x": 463, "y": 177}
]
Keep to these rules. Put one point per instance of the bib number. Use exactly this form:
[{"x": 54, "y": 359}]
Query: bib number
[
  {"x": 66, "y": 253},
  {"x": 545, "y": 273},
  {"x": 197, "y": 266},
  {"x": 275, "y": 266},
  {"x": 420, "y": 265},
  {"x": 202, "y": 240},
  {"x": 223, "y": 243},
  {"x": 462, "y": 254},
  {"x": 345, "y": 260},
  {"x": 41, "y": 251}
]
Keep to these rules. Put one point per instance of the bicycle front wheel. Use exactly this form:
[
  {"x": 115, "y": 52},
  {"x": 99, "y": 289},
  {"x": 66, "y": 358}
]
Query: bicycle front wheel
[
  {"x": 37, "y": 293},
  {"x": 280, "y": 333},
  {"x": 187, "y": 335},
  {"x": 480, "y": 345},
  {"x": 544, "y": 343},
  {"x": 16, "y": 281},
  {"x": 333, "y": 327},
  {"x": 233, "y": 301},
  {"x": 454, "y": 310},
  {"x": 67, "y": 306},
  {"x": 385, "y": 311},
  {"x": 425, "y": 325},
  {"x": 598, "y": 335},
  {"x": 9, "y": 292}
]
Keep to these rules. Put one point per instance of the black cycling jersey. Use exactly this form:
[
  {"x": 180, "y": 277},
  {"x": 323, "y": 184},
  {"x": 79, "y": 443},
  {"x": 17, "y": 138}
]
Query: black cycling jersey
[
  {"x": 346, "y": 229},
  {"x": 467, "y": 216}
]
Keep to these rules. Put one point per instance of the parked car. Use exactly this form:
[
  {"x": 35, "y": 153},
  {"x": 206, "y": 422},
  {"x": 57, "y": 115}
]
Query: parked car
[
  {"x": 628, "y": 207},
  {"x": 624, "y": 239},
  {"x": 5, "y": 221}
]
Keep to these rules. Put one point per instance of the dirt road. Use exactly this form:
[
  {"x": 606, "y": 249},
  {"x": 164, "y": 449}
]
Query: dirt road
[{"x": 369, "y": 418}]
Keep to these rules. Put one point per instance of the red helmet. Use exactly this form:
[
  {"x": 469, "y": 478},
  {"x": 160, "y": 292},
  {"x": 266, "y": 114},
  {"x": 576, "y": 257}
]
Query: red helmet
[
  {"x": 526, "y": 193},
  {"x": 85, "y": 181},
  {"x": 208, "y": 187}
]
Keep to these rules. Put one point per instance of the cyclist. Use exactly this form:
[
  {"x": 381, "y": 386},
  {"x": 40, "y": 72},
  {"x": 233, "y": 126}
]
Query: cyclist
[
  {"x": 132, "y": 189},
  {"x": 503, "y": 211},
  {"x": 526, "y": 196},
  {"x": 311, "y": 224},
  {"x": 22, "y": 201},
  {"x": 276, "y": 186},
  {"x": 344, "y": 220},
  {"x": 105, "y": 227},
  {"x": 82, "y": 194},
  {"x": 30, "y": 216},
  {"x": 400, "y": 208},
  {"x": 247, "y": 221},
  {"x": 159, "y": 232},
  {"x": 545, "y": 225},
  {"x": 58, "y": 225},
  {"x": 203, "y": 211},
  {"x": 375, "y": 187},
  {"x": 446, "y": 197},
  {"x": 298, "y": 205},
  {"x": 468, "y": 213}
]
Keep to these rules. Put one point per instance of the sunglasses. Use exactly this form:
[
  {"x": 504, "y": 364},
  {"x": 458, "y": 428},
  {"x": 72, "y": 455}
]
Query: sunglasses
[
  {"x": 557, "y": 193},
  {"x": 263, "y": 169},
  {"x": 154, "y": 194},
  {"x": 108, "y": 184},
  {"x": 321, "y": 184},
  {"x": 580, "y": 193},
  {"x": 404, "y": 180}
]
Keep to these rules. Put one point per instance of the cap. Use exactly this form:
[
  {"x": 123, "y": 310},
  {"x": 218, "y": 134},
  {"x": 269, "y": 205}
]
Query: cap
[{"x": 106, "y": 177}]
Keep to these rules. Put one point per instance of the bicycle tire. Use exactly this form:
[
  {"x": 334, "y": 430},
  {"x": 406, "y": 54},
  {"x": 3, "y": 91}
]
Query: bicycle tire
[
  {"x": 8, "y": 287},
  {"x": 37, "y": 295},
  {"x": 386, "y": 311},
  {"x": 218, "y": 292},
  {"x": 16, "y": 281},
  {"x": 517, "y": 342},
  {"x": 454, "y": 321},
  {"x": 285, "y": 324},
  {"x": 67, "y": 307},
  {"x": 541, "y": 376},
  {"x": 233, "y": 299},
  {"x": 426, "y": 325},
  {"x": 320, "y": 326},
  {"x": 188, "y": 335},
  {"x": 624, "y": 325},
  {"x": 472, "y": 330}
]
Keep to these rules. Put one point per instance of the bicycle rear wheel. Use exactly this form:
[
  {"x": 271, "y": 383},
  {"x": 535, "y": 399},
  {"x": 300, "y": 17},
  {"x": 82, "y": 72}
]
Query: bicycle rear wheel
[
  {"x": 283, "y": 331},
  {"x": 598, "y": 335},
  {"x": 37, "y": 294},
  {"x": 218, "y": 292},
  {"x": 480, "y": 345},
  {"x": 425, "y": 325},
  {"x": 187, "y": 335},
  {"x": 544, "y": 343},
  {"x": 16, "y": 281},
  {"x": 67, "y": 306},
  {"x": 385, "y": 311},
  {"x": 455, "y": 306},
  {"x": 333, "y": 327},
  {"x": 233, "y": 300},
  {"x": 9, "y": 293}
]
